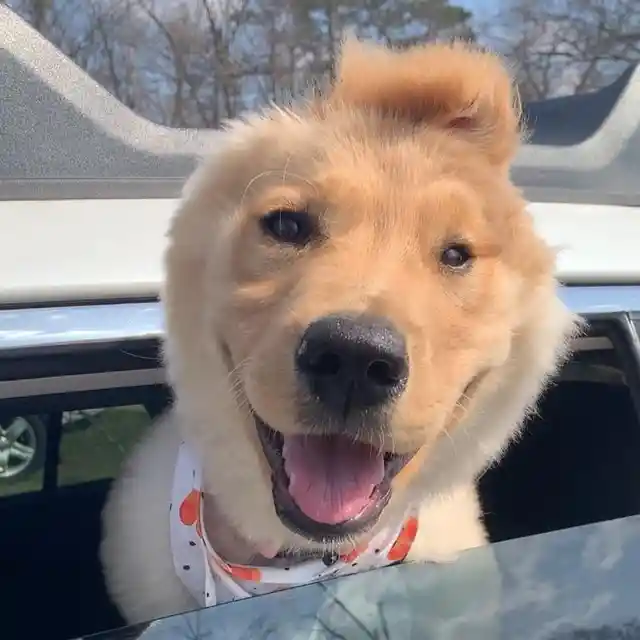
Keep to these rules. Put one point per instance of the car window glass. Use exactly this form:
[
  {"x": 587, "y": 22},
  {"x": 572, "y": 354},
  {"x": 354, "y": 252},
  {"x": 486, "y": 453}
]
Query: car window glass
[
  {"x": 190, "y": 65},
  {"x": 22, "y": 453},
  {"x": 575, "y": 584},
  {"x": 93, "y": 444}
]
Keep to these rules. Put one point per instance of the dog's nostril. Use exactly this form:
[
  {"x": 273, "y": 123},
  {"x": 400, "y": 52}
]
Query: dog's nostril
[
  {"x": 384, "y": 373},
  {"x": 324, "y": 364}
]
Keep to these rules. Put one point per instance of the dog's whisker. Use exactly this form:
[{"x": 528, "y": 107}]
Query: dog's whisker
[
  {"x": 252, "y": 182},
  {"x": 239, "y": 366},
  {"x": 284, "y": 170},
  {"x": 269, "y": 172},
  {"x": 236, "y": 385},
  {"x": 449, "y": 436}
]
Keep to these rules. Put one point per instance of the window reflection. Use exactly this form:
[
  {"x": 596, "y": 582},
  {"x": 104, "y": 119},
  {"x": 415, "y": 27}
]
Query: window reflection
[
  {"x": 22, "y": 454},
  {"x": 194, "y": 63},
  {"x": 95, "y": 443},
  {"x": 93, "y": 446}
]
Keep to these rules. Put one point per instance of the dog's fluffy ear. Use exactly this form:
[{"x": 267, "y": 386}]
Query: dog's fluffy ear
[{"x": 452, "y": 86}]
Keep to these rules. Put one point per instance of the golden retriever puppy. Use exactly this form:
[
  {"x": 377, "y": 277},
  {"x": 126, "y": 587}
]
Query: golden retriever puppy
[{"x": 359, "y": 316}]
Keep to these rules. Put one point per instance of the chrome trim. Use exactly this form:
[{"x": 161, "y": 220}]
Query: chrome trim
[
  {"x": 587, "y": 301},
  {"x": 12, "y": 389},
  {"x": 87, "y": 325},
  {"x": 128, "y": 321},
  {"x": 119, "y": 323}
]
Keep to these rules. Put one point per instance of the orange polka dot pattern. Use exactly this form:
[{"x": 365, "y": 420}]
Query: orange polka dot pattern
[
  {"x": 190, "y": 511},
  {"x": 401, "y": 547}
]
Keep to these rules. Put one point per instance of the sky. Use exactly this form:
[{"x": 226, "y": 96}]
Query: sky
[{"x": 478, "y": 7}]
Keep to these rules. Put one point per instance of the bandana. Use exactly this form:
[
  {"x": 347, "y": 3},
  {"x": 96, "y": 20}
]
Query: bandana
[{"x": 210, "y": 580}]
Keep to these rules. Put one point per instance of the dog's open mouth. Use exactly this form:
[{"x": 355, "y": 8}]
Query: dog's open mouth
[{"x": 328, "y": 486}]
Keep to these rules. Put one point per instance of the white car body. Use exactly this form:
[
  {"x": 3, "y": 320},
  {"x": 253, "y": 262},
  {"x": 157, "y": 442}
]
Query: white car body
[{"x": 112, "y": 249}]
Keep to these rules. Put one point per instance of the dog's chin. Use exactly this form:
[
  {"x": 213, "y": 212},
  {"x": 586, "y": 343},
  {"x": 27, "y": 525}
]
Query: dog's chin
[{"x": 327, "y": 488}]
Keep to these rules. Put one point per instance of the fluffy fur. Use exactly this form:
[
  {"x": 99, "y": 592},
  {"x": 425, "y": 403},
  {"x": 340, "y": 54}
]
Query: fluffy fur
[{"x": 405, "y": 152}]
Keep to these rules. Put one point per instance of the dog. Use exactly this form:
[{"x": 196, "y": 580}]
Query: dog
[{"x": 359, "y": 317}]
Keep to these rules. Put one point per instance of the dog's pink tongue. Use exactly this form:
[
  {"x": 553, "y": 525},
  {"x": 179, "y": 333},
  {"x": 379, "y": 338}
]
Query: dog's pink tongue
[{"x": 331, "y": 478}]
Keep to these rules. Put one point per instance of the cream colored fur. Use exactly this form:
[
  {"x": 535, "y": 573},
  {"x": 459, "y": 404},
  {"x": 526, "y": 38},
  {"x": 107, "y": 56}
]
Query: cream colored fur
[{"x": 210, "y": 253}]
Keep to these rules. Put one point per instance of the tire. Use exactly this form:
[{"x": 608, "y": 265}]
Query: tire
[{"x": 23, "y": 447}]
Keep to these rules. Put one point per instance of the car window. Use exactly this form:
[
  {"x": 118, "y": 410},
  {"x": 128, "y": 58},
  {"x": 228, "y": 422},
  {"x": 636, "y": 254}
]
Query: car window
[
  {"x": 103, "y": 436},
  {"x": 196, "y": 65},
  {"x": 22, "y": 454},
  {"x": 577, "y": 584},
  {"x": 94, "y": 442}
]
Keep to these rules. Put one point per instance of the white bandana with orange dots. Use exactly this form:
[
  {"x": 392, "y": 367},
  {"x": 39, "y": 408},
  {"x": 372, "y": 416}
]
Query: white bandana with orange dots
[{"x": 210, "y": 580}]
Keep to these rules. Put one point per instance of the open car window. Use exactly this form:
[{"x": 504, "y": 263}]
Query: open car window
[{"x": 583, "y": 148}]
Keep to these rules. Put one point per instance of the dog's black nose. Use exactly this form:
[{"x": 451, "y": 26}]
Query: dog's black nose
[{"x": 351, "y": 364}]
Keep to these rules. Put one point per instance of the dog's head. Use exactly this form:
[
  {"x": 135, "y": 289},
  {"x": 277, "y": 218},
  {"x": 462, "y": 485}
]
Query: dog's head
[{"x": 359, "y": 310}]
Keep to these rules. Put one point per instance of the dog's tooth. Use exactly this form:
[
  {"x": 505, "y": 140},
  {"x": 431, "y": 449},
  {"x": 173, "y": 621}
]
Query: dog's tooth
[{"x": 286, "y": 445}]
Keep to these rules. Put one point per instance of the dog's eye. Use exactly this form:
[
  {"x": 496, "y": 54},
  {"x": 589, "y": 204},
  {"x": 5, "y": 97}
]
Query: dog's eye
[
  {"x": 456, "y": 256},
  {"x": 292, "y": 227}
]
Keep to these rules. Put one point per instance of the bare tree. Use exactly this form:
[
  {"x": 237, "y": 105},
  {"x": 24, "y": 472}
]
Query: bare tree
[
  {"x": 194, "y": 63},
  {"x": 59, "y": 21},
  {"x": 204, "y": 61},
  {"x": 323, "y": 23},
  {"x": 566, "y": 46},
  {"x": 106, "y": 38}
]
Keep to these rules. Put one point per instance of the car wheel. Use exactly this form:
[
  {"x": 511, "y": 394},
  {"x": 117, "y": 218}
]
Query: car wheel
[{"x": 22, "y": 447}]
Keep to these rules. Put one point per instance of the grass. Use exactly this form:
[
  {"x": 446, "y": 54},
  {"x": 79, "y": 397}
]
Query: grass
[{"x": 92, "y": 451}]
